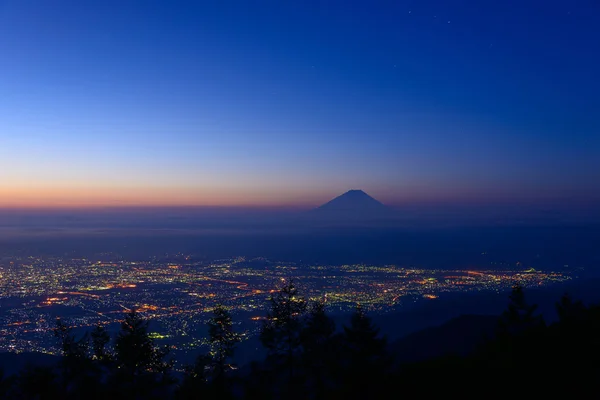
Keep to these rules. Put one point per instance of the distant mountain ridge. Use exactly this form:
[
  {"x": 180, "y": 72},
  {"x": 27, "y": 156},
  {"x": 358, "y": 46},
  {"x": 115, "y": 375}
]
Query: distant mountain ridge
[
  {"x": 458, "y": 336},
  {"x": 13, "y": 363},
  {"x": 354, "y": 200},
  {"x": 355, "y": 208}
]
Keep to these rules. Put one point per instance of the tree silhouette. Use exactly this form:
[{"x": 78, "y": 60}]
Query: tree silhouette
[
  {"x": 134, "y": 347},
  {"x": 570, "y": 312},
  {"x": 321, "y": 349},
  {"x": 75, "y": 364},
  {"x": 195, "y": 380},
  {"x": 520, "y": 316},
  {"x": 281, "y": 331},
  {"x": 362, "y": 339},
  {"x": 142, "y": 369},
  {"x": 577, "y": 332},
  {"x": 223, "y": 340},
  {"x": 100, "y": 339},
  {"x": 366, "y": 357},
  {"x": 321, "y": 363},
  {"x": 259, "y": 382},
  {"x": 70, "y": 346},
  {"x": 519, "y": 335},
  {"x": 319, "y": 327}
]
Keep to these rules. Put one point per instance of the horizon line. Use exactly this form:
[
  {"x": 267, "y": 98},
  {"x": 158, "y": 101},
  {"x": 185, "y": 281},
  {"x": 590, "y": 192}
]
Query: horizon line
[{"x": 296, "y": 207}]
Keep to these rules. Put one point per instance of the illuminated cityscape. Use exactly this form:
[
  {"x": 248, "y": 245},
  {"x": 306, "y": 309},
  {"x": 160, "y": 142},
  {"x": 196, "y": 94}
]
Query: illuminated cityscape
[{"x": 178, "y": 293}]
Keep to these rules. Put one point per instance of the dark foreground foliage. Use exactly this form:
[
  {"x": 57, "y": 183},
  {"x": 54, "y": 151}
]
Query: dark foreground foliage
[{"x": 308, "y": 358}]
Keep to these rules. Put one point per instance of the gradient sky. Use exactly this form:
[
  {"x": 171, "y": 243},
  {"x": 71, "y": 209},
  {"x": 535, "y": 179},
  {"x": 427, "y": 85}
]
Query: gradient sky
[{"x": 119, "y": 102}]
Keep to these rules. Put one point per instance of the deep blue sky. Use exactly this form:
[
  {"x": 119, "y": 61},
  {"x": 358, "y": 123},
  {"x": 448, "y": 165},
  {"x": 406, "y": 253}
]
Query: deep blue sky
[{"x": 292, "y": 102}]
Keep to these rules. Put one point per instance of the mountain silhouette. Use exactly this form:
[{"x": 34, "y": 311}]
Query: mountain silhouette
[
  {"x": 457, "y": 336},
  {"x": 354, "y": 206},
  {"x": 354, "y": 201}
]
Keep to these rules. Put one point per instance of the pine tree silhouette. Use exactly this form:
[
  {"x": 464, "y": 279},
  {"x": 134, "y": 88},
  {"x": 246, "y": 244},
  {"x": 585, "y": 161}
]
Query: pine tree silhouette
[
  {"x": 520, "y": 331},
  {"x": 75, "y": 364},
  {"x": 520, "y": 316},
  {"x": 570, "y": 312},
  {"x": 100, "y": 339},
  {"x": 195, "y": 380},
  {"x": 142, "y": 370},
  {"x": 223, "y": 340},
  {"x": 366, "y": 361},
  {"x": 70, "y": 346},
  {"x": 134, "y": 348},
  {"x": 281, "y": 332},
  {"x": 321, "y": 350}
]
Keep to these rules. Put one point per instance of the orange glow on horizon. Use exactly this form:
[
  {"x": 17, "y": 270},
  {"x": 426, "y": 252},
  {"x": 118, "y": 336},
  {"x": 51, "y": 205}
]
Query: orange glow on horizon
[
  {"x": 78, "y": 196},
  {"x": 91, "y": 195},
  {"x": 100, "y": 197}
]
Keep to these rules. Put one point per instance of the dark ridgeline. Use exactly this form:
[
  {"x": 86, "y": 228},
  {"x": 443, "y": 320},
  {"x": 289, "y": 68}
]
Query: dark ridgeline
[{"x": 515, "y": 354}]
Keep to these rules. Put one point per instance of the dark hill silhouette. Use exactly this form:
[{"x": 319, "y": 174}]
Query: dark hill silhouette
[
  {"x": 458, "y": 336},
  {"x": 12, "y": 363}
]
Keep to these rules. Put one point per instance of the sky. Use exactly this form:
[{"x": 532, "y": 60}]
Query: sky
[{"x": 290, "y": 103}]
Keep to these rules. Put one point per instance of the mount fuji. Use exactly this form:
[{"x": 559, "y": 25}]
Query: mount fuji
[{"x": 354, "y": 206}]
